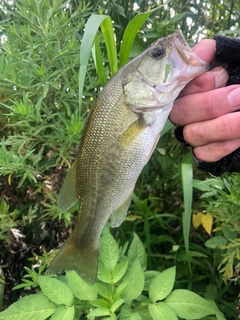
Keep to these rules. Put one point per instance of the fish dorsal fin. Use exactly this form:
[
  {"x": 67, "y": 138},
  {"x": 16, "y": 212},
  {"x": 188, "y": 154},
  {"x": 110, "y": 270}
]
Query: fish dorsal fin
[
  {"x": 68, "y": 194},
  {"x": 120, "y": 213}
]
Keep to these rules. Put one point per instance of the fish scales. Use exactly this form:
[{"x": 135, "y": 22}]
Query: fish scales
[{"x": 119, "y": 136}]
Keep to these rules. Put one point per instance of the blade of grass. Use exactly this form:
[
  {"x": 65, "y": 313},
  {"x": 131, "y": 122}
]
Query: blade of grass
[
  {"x": 91, "y": 28},
  {"x": 187, "y": 177},
  {"x": 130, "y": 33},
  {"x": 108, "y": 35},
  {"x": 96, "y": 52}
]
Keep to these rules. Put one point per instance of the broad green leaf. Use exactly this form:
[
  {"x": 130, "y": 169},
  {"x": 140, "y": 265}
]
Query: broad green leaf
[
  {"x": 130, "y": 33},
  {"x": 120, "y": 289},
  {"x": 80, "y": 288},
  {"x": 228, "y": 232},
  {"x": 137, "y": 250},
  {"x": 119, "y": 270},
  {"x": 161, "y": 311},
  {"x": 31, "y": 307},
  {"x": 127, "y": 314},
  {"x": 99, "y": 312},
  {"x": 102, "y": 290},
  {"x": 108, "y": 251},
  {"x": 56, "y": 290},
  {"x": 63, "y": 313},
  {"x": 100, "y": 303},
  {"x": 216, "y": 242},
  {"x": 162, "y": 285},
  {"x": 116, "y": 305},
  {"x": 189, "y": 305},
  {"x": 149, "y": 276},
  {"x": 135, "y": 279},
  {"x": 103, "y": 273}
]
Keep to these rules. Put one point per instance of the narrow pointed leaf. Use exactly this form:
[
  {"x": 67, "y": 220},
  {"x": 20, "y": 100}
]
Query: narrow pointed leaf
[
  {"x": 108, "y": 35},
  {"x": 130, "y": 33},
  {"x": 91, "y": 29}
]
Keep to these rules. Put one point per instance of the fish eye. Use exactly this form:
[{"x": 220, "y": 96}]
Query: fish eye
[{"x": 157, "y": 52}]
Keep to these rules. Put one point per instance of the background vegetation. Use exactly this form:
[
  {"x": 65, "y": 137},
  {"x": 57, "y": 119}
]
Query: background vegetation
[{"x": 41, "y": 119}]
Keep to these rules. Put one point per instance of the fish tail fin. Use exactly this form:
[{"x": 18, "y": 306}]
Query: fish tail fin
[{"x": 72, "y": 257}]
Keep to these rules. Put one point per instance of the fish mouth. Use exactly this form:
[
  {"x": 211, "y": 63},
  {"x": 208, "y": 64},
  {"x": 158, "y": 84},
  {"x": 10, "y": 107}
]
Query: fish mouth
[{"x": 185, "y": 52}]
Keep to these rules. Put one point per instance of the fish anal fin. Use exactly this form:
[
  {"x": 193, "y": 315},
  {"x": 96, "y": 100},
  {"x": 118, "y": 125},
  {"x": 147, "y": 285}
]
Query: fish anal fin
[
  {"x": 120, "y": 213},
  {"x": 72, "y": 257},
  {"x": 68, "y": 194}
]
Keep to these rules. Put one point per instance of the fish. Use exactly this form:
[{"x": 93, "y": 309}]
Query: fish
[{"x": 119, "y": 136}]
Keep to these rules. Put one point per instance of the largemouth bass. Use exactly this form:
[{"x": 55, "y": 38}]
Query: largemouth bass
[{"x": 119, "y": 136}]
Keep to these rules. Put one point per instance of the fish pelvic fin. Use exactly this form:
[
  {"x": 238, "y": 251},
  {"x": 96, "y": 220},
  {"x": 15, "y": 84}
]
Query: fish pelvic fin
[
  {"x": 74, "y": 257},
  {"x": 68, "y": 194}
]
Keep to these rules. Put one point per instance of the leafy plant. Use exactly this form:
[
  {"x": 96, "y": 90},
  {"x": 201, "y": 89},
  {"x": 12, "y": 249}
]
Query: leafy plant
[{"x": 124, "y": 290}]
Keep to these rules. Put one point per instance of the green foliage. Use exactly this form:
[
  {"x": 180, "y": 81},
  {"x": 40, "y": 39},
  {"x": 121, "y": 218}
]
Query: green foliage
[
  {"x": 69, "y": 297},
  {"x": 222, "y": 199},
  {"x": 44, "y": 101}
]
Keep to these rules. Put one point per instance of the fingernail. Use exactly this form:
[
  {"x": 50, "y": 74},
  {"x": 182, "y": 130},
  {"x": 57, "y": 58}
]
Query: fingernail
[
  {"x": 221, "y": 76},
  {"x": 234, "y": 98}
]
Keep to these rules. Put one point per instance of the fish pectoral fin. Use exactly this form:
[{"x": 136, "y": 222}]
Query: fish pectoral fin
[
  {"x": 130, "y": 134},
  {"x": 120, "y": 213},
  {"x": 68, "y": 194}
]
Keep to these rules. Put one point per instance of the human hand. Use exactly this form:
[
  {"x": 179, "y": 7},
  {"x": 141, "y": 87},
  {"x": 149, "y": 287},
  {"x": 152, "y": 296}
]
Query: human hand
[{"x": 206, "y": 110}]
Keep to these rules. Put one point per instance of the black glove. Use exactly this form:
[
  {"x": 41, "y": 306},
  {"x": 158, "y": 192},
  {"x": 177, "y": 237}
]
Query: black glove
[{"x": 228, "y": 56}]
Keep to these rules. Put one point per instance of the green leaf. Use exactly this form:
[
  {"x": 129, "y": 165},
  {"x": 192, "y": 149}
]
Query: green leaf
[
  {"x": 119, "y": 270},
  {"x": 99, "y": 312},
  {"x": 137, "y": 250},
  {"x": 99, "y": 61},
  {"x": 130, "y": 33},
  {"x": 216, "y": 242},
  {"x": 55, "y": 290},
  {"x": 149, "y": 276},
  {"x": 108, "y": 251},
  {"x": 31, "y": 307},
  {"x": 127, "y": 314},
  {"x": 187, "y": 176},
  {"x": 102, "y": 290},
  {"x": 135, "y": 279},
  {"x": 108, "y": 35},
  {"x": 103, "y": 273},
  {"x": 80, "y": 288},
  {"x": 63, "y": 313},
  {"x": 116, "y": 305},
  {"x": 121, "y": 287},
  {"x": 100, "y": 303},
  {"x": 91, "y": 28},
  {"x": 228, "y": 232},
  {"x": 161, "y": 311},
  {"x": 162, "y": 285},
  {"x": 189, "y": 305}
]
